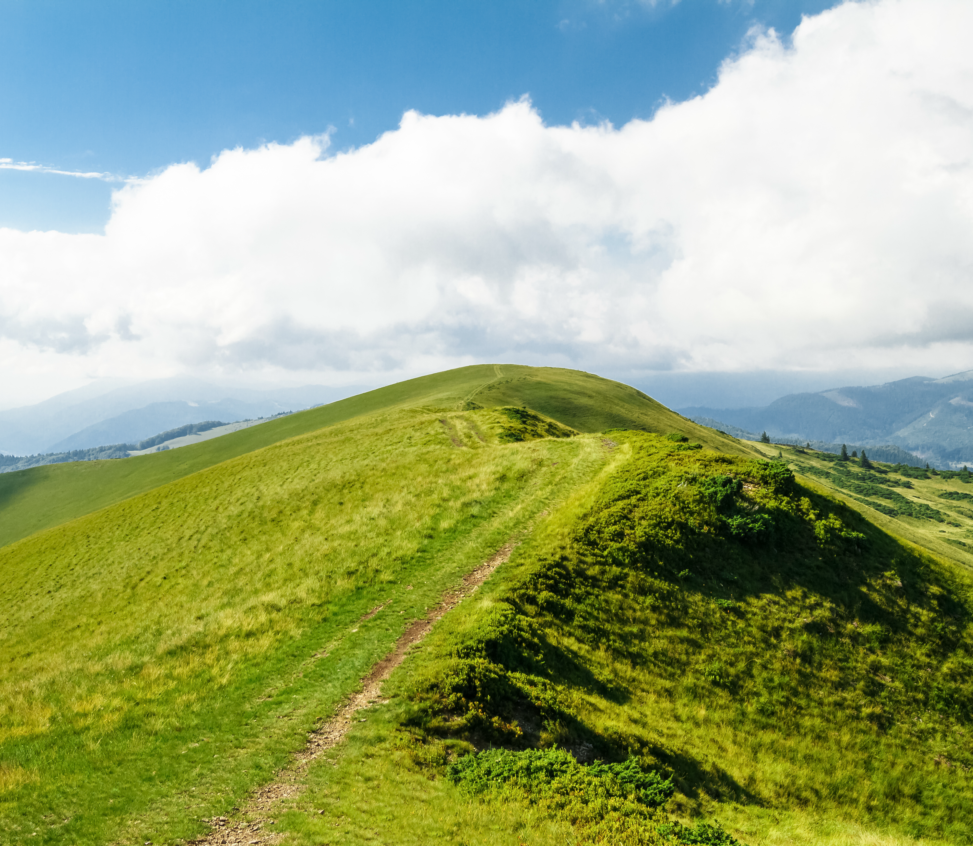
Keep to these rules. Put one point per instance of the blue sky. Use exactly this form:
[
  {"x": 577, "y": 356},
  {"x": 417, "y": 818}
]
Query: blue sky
[{"x": 128, "y": 88}]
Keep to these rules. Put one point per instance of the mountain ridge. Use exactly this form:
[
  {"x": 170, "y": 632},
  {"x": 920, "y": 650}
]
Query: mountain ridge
[
  {"x": 931, "y": 418},
  {"x": 679, "y": 642}
]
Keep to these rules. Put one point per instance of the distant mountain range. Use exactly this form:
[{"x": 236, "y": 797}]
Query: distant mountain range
[
  {"x": 888, "y": 453},
  {"x": 97, "y": 416},
  {"x": 931, "y": 418}
]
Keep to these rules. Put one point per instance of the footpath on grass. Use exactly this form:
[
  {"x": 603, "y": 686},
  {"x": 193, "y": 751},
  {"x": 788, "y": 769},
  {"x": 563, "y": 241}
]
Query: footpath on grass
[{"x": 251, "y": 827}]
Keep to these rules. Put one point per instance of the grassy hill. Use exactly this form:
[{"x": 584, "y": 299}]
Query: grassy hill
[
  {"x": 727, "y": 655},
  {"x": 803, "y": 678},
  {"x": 39, "y": 498}
]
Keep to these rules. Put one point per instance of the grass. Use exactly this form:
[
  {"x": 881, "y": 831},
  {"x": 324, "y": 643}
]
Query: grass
[
  {"x": 674, "y": 606},
  {"x": 809, "y": 684},
  {"x": 43, "y": 497},
  {"x": 159, "y": 657}
]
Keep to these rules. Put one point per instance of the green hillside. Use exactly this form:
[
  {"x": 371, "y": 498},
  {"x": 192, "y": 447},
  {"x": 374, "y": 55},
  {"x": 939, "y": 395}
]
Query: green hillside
[
  {"x": 42, "y": 497},
  {"x": 930, "y": 508},
  {"x": 675, "y": 642},
  {"x": 144, "y": 645},
  {"x": 802, "y": 676}
]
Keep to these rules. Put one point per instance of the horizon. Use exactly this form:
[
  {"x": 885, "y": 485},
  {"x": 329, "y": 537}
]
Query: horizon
[{"x": 677, "y": 391}]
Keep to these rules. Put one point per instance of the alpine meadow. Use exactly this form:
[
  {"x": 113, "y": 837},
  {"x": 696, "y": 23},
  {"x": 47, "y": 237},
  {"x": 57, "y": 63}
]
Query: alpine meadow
[{"x": 495, "y": 605}]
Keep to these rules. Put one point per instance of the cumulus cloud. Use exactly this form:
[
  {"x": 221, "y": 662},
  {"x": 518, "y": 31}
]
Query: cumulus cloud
[{"x": 812, "y": 210}]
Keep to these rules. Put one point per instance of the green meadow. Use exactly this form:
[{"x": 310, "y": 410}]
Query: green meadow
[{"x": 689, "y": 644}]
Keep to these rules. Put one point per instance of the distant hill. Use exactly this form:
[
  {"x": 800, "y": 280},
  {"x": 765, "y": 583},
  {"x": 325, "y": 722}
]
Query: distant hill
[
  {"x": 931, "y": 418},
  {"x": 93, "y": 416},
  {"x": 139, "y": 424},
  {"x": 164, "y": 440},
  {"x": 885, "y": 452}
]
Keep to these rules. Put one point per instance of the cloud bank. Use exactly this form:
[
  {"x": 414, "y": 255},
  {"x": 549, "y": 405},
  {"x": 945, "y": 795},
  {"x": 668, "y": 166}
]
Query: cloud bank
[{"x": 813, "y": 210}]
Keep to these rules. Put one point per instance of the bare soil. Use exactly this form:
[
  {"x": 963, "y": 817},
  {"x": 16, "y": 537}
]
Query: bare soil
[{"x": 254, "y": 824}]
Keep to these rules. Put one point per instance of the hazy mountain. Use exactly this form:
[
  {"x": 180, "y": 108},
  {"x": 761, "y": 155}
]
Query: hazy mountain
[
  {"x": 141, "y": 423},
  {"x": 932, "y": 418},
  {"x": 889, "y": 453},
  {"x": 91, "y": 417}
]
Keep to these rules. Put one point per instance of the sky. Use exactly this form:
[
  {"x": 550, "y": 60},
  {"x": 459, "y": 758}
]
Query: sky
[{"x": 703, "y": 196}]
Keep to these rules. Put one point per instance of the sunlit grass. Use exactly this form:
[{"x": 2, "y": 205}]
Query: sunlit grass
[
  {"x": 800, "y": 693},
  {"x": 145, "y": 645},
  {"x": 43, "y": 497},
  {"x": 164, "y": 655}
]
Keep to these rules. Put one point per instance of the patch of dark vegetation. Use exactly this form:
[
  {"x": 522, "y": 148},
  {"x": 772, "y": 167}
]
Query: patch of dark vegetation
[
  {"x": 956, "y": 496},
  {"x": 521, "y": 424},
  {"x": 178, "y": 432},
  {"x": 876, "y": 484},
  {"x": 960, "y": 475},
  {"x": 553, "y": 779}
]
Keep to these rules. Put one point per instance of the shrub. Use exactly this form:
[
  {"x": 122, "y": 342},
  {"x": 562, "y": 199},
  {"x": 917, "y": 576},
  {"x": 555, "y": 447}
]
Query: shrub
[
  {"x": 589, "y": 795},
  {"x": 704, "y": 834},
  {"x": 720, "y": 491}
]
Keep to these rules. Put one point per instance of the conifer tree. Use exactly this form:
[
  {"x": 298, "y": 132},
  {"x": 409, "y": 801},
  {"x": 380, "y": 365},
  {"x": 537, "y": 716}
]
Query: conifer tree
[
  {"x": 765, "y": 438},
  {"x": 844, "y": 453},
  {"x": 865, "y": 462}
]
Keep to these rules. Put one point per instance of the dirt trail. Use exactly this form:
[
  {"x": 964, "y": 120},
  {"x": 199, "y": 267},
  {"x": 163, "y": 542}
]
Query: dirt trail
[{"x": 262, "y": 806}]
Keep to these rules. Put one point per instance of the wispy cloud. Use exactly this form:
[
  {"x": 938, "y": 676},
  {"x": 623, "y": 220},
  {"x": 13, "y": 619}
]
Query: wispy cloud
[{"x": 33, "y": 167}]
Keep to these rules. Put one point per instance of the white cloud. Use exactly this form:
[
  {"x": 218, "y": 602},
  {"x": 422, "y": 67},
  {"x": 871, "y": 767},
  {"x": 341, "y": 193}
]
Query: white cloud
[{"x": 813, "y": 210}]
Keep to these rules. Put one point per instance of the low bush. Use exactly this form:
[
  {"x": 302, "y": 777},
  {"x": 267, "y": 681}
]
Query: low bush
[{"x": 614, "y": 803}]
